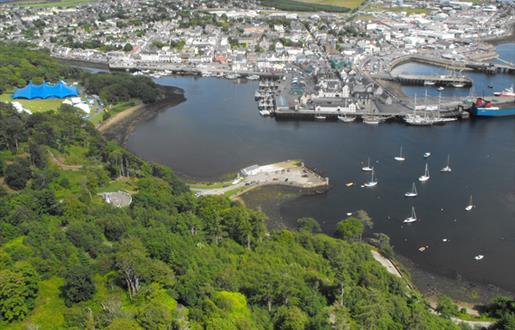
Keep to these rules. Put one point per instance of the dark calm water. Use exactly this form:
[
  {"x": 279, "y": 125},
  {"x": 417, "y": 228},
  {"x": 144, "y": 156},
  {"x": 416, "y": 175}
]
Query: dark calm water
[{"x": 218, "y": 130}]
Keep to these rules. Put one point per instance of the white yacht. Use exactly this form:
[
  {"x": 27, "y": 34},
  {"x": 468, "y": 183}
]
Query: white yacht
[
  {"x": 447, "y": 168},
  {"x": 412, "y": 217},
  {"x": 471, "y": 204},
  {"x": 367, "y": 168},
  {"x": 372, "y": 182},
  {"x": 425, "y": 176},
  {"x": 400, "y": 158},
  {"x": 413, "y": 192}
]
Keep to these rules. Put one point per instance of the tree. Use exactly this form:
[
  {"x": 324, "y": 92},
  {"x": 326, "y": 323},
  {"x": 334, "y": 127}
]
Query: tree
[
  {"x": 18, "y": 289},
  {"x": 309, "y": 224},
  {"x": 37, "y": 155},
  {"x": 18, "y": 173},
  {"x": 350, "y": 229},
  {"x": 290, "y": 318},
  {"x": 132, "y": 262},
  {"x": 446, "y": 307},
  {"x": 127, "y": 47},
  {"x": 78, "y": 285}
]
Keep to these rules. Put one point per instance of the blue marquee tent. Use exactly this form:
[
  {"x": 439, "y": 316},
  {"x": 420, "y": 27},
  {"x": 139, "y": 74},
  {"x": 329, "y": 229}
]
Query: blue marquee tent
[{"x": 45, "y": 91}]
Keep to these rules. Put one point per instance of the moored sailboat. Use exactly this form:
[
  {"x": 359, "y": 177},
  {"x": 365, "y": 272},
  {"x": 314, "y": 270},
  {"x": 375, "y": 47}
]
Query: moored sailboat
[
  {"x": 400, "y": 158},
  {"x": 412, "y": 217},
  {"x": 471, "y": 204},
  {"x": 413, "y": 192},
  {"x": 425, "y": 176},
  {"x": 447, "y": 168},
  {"x": 367, "y": 168},
  {"x": 372, "y": 182}
]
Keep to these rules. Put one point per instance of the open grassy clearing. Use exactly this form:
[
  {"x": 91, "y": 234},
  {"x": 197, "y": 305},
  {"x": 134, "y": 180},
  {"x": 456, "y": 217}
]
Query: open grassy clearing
[
  {"x": 47, "y": 4},
  {"x": 335, "y": 3},
  {"x": 38, "y": 105}
]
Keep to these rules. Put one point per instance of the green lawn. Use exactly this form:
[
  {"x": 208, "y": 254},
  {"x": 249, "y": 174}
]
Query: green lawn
[
  {"x": 335, "y": 3},
  {"x": 407, "y": 10},
  {"x": 46, "y": 4},
  {"x": 33, "y": 105}
]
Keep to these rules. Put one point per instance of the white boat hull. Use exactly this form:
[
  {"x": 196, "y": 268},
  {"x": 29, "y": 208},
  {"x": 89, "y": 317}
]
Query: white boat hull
[
  {"x": 370, "y": 184},
  {"x": 400, "y": 159},
  {"x": 409, "y": 220},
  {"x": 367, "y": 169},
  {"x": 423, "y": 178},
  {"x": 410, "y": 194}
]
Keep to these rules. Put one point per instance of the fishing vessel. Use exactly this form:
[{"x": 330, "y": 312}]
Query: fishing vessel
[
  {"x": 447, "y": 168},
  {"x": 367, "y": 168},
  {"x": 427, "y": 154},
  {"x": 413, "y": 192},
  {"x": 485, "y": 108},
  {"x": 400, "y": 158},
  {"x": 372, "y": 182},
  {"x": 507, "y": 92},
  {"x": 412, "y": 217},
  {"x": 425, "y": 176},
  {"x": 471, "y": 204}
]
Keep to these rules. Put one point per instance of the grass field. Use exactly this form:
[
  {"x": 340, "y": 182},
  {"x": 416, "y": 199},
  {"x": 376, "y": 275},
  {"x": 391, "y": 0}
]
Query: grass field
[
  {"x": 313, "y": 5},
  {"x": 46, "y": 4},
  {"x": 407, "y": 10},
  {"x": 335, "y": 3},
  {"x": 34, "y": 105}
]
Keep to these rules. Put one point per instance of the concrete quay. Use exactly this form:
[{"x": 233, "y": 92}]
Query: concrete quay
[{"x": 291, "y": 173}]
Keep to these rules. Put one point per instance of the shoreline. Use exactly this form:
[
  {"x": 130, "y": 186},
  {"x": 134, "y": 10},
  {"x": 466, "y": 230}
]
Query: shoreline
[
  {"x": 270, "y": 200},
  {"x": 120, "y": 126}
]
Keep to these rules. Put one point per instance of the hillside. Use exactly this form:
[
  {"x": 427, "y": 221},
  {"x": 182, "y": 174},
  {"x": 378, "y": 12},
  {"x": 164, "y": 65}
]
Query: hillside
[{"x": 68, "y": 260}]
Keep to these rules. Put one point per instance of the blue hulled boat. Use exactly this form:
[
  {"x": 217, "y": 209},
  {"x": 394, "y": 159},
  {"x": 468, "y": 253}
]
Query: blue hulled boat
[{"x": 485, "y": 108}]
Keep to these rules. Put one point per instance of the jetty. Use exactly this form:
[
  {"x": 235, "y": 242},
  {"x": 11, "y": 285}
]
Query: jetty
[{"x": 292, "y": 173}]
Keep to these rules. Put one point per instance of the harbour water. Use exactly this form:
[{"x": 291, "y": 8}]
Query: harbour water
[
  {"x": 481, "y": 81},
  {"x": 218, "y": 130}
]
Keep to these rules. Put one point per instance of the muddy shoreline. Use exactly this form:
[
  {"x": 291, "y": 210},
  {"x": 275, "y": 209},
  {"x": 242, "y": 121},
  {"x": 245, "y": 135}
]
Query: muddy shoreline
[{"x": 119, "y": 127}]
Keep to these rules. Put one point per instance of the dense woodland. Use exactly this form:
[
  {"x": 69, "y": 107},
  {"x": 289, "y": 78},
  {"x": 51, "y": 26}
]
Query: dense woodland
[
  {"x": 171, "y": 260},
  {"x": 20, "y": 64}
]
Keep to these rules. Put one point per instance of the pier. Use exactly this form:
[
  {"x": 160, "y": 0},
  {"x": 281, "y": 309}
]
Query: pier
[
  {"x": 442, "y": 80},
  {"x": 292, "y": 173}
]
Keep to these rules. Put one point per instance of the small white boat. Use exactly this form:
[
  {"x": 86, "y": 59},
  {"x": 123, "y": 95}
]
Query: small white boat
[
  {"x": 367, "y": 168},
  {"x": 412, "y": 217},
  {"x": 253, "y": 77},
  {"x": 471, "y": 205},
  {"x": 318, "y": 117},
  {"x": 426, "y": 176},
  {"x": 427, "y": 155},
  {"x": 264, "y": 113},
  {"x": 458, "y": 85},
  {"x": 447, "y": 168},
  {"x": 372, "y": 120},
  {"x": 372, "y": 182},
  {"x": 440, "y": 88},
  {"x": 429, "y": 83},
  {"x": 413, "y": 192},
  {"x": 400, "y": 158},
  {"x": 347, "y": 119},
  {"x": 479, "y": 257},
  {"x": 349, "y": 214}
]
